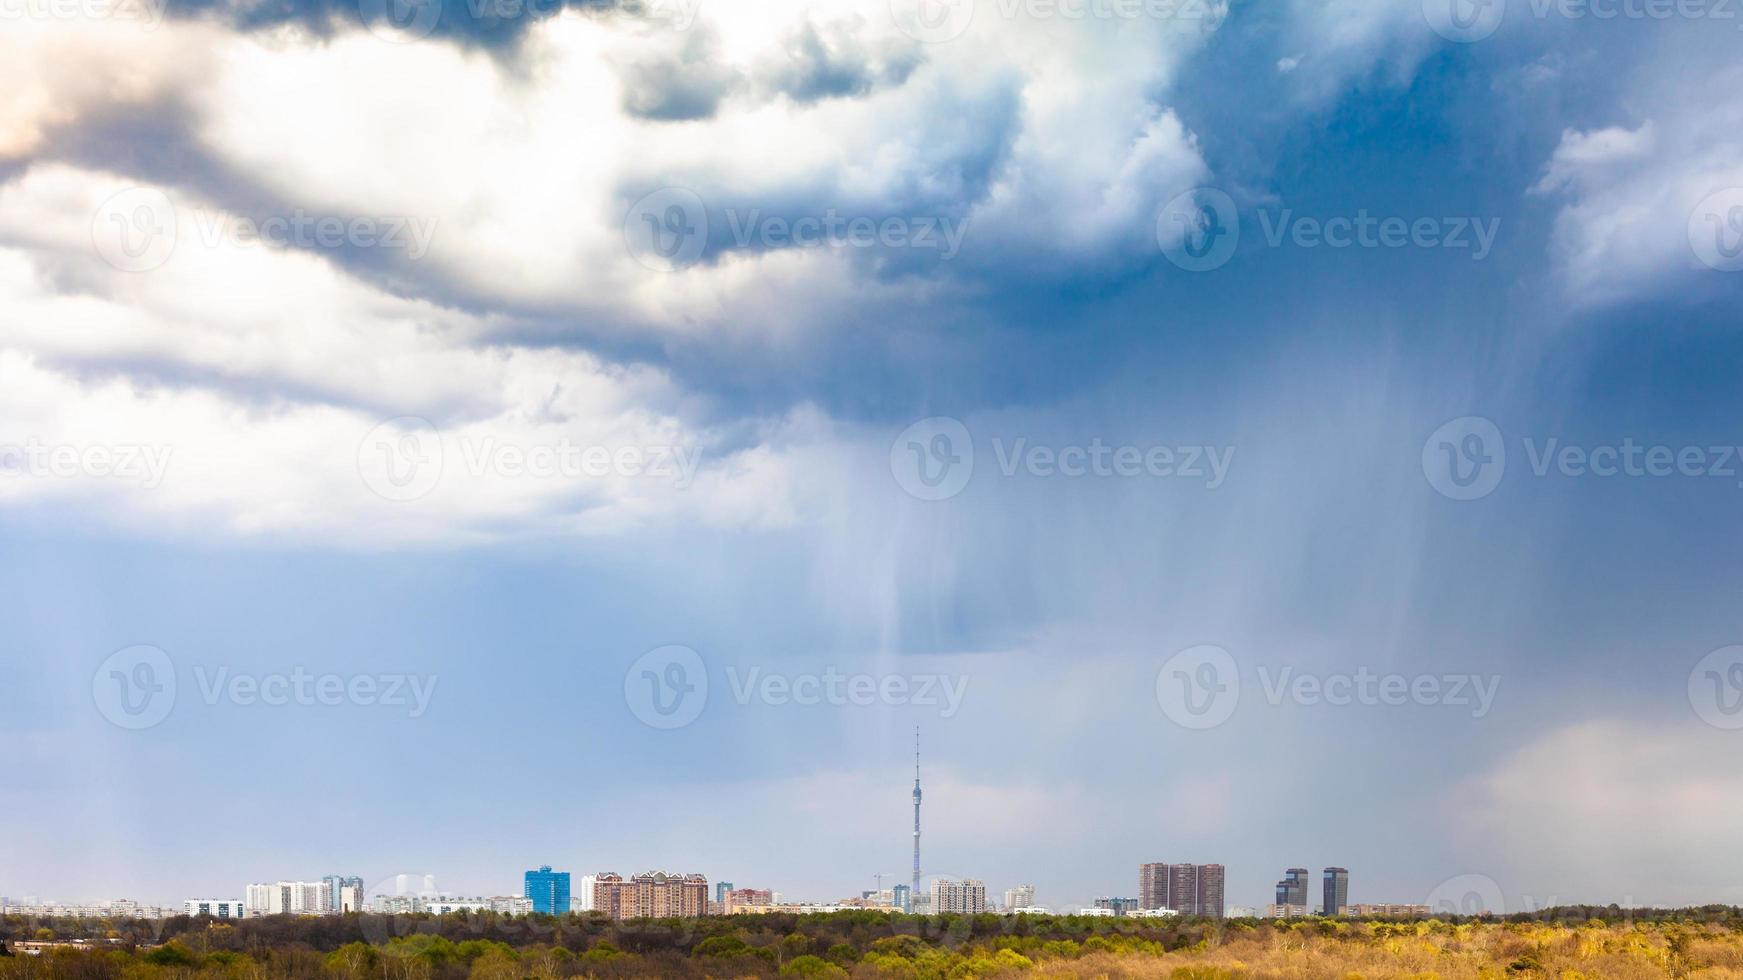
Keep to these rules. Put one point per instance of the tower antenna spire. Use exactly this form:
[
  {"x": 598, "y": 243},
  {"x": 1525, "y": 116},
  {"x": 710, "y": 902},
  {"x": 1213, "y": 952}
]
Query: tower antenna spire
[{"x": 914, "y": 887}]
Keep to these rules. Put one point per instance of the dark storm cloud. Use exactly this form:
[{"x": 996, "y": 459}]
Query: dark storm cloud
[
  {"x": 835, "y": 62},
  {"x": 688, "y": 83},
  {"x": 484, "y": 23}
]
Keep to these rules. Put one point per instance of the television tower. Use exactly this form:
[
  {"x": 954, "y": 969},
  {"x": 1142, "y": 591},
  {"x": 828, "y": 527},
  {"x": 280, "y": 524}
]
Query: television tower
[{"x": 914, "y": 891}]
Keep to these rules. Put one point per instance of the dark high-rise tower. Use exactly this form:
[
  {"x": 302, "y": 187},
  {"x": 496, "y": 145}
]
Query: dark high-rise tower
[
  {"x": 1337, "y": 890},
  {"x": 1292, "y": 890},
  {"x": 916, "y": 884}
]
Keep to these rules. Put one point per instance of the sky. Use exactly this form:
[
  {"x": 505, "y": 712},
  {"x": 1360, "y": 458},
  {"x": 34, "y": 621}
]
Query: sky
[{"x": 458, "y": 438}]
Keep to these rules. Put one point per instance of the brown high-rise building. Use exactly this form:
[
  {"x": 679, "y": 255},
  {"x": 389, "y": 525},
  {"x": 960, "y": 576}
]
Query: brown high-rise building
[
  {"x": 1190, "y": 889},
  {"x": 651, "y": 895}
]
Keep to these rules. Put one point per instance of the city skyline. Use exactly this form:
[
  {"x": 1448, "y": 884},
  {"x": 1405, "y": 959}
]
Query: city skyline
[{"x": 800, "y": 440}]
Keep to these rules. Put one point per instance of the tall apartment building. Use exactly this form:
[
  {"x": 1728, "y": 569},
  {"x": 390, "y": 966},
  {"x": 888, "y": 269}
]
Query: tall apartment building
[
  {"x": 1190, "y": 889},
  {"x": 290, "y": 898},
  {"x": 651, "y": 895},
  {"x": 1292, "y": 890},
  {"x": 582, "y": 900},
  {"x": 967, "y": 896},
  {"x": 1335, "y": 892},
  {"x": 549, "y": 891},
  {"x": 1020, "y": 897}
]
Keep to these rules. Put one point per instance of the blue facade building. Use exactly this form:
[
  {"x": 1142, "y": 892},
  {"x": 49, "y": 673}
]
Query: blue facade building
[{"x": 549, "y": 891}]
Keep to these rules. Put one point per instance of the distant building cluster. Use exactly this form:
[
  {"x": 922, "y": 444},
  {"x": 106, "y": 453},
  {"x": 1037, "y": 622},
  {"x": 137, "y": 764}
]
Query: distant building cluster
[
  {"x": 118, "y": 909},
  {"x": 333, "y": 895},
  {"x": 1189, "y": 889},
  {"x": 1386, "y": 911}
]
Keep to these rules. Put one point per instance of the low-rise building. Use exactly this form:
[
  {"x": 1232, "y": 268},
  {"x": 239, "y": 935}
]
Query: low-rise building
[
  {"x": 1386, "y": 911},
  {"x": 217, "y": 908}
]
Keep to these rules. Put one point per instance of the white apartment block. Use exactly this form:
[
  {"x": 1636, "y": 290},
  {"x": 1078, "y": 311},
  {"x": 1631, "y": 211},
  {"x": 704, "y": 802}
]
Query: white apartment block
[
  {"x": 291, "y": 898},
  {"x": 582, "y": 898},
  {"x": 1020, "y": 897}
]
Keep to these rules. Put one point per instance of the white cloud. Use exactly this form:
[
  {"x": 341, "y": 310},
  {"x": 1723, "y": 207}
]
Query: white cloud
[
  {"x": 262, "y": 369},
  {"x": 1615, "y": 809},
  {"x": 1630, "y": 195}
]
